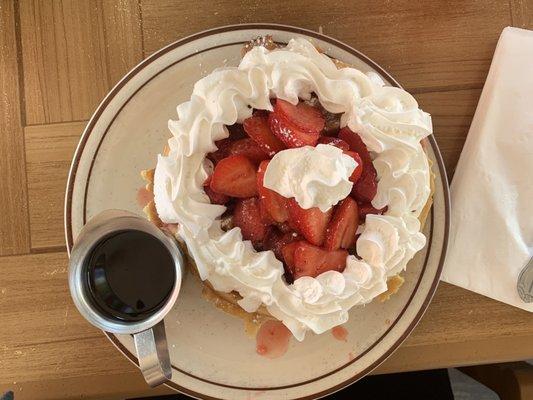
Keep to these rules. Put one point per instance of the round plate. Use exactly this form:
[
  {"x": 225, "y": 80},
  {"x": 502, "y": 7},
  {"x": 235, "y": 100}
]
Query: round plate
[{"x": 211, "y": 354}]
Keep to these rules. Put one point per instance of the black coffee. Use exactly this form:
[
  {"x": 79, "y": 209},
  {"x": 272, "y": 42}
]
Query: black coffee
[{"x": 130, "y": 274}]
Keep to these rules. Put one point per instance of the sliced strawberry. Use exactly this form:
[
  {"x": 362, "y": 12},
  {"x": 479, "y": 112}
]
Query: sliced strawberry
[
  {"x": 285, "y": 227},
  {"x": 234, "y": 176},
  {"x": 222, "y": 152},
  {"x": 289, "y": 134},
  {"x": 276, "y": 240},
  {"x": 368, "y": 208},
  {"x": 356, "y": 143},
  {"x": 288, "y": 253},
  {"x": 302, "y": 116},
  {"x": 365, "y": 188},
  {"x": 341, "y": 230},
  {"x": 304, "y": 259},
  {"x": 274, "y": 203},
  {"x": 333, "y": 141},
  {"x": 249, "y": 148},
  {"x": 258, "y": 129},
  {"x": 358, "y": 171},
  {"x": 265, "y": 214},
  {"x": 214, "y": 197},
  {"x": 311, "y": 223},
  {"x": 247, "y": 216}
]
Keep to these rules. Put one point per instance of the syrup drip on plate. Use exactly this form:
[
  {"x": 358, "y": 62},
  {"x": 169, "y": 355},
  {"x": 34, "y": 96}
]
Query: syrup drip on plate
[
  {"x": 340, "y": 333},
  {"x": 272, "y": 339}
]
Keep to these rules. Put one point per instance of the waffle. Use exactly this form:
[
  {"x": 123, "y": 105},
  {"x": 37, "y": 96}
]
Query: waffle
[{"x": 227, "y": 302}]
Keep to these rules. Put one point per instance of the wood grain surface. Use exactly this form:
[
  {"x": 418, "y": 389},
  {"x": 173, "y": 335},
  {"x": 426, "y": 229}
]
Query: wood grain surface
[
  {"x": 14, "y": 232},
  {"x": 57, "y": 61}
]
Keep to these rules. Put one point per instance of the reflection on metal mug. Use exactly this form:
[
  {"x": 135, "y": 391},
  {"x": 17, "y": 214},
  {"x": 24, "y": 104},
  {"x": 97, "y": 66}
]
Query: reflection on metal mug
[{"x": 124, "y": 276}]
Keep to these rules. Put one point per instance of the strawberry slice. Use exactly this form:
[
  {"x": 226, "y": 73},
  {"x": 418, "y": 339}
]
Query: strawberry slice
[
  {"x": 358, "y": 171},
  {"x": 289, "y": 134},
  {"x": 302, "y": 116},
  {"x": 304, "y": 259},
  {"x": 222, "y": 150},
  {"x": 249, "y": 148},
  {"x": 356, "y": 143},
  {"x": 265, "y": 215},
  {"x": 214, "y": 197},
  {"x": 287, "y": 252},
  {"x": 311, "y": 223},
  {"x": 341, "y": 230},
  {"x": 234, "y": 176},
  {"x": 285, "y": 227},
  {"x": 366, "y": 187},
  {"x": 276, "y": 240},
  {"x": 274, "y": 203},
  {"x": 333, "y": 141},
  {"x": 368, "y": 208},
  {"x": 257, "y": 128},
  {"x": 247, "y": 216}
]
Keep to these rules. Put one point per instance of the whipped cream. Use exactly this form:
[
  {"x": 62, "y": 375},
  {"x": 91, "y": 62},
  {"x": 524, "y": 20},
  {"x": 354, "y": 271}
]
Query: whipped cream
[
  {"x": 314, "y": 176},
  {"x": 391, "y": 126}
]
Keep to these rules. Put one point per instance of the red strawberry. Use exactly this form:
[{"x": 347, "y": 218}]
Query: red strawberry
[
  {"x": 366, "y": 187},
  {"x": 222, "y": 152},
  {"x": 368, "y": 208},
  {"x": 289, "y": 134},
  {"x": 333, "y": 141},
  {"x": 275, "y": 241},
  {"x": 309, "y": 260},
  {"x": 274, "y": 203},
  {"x": 341, "y": 230},
  {"x": 258, "y": 129},
  {"x": 265, "y": 215},
  {"x": 234, "y": 176},
  {"x": 311, "y": 223},
  {"x": 356, "y": 143},
  {"x": 214, "y": 197},
  {"x": 302, "y": 116},
  {"x": 247, "y": 216},
  {"x": 285, "y": 227},
  {"x": 249, "y": 148},
  {"x": 358, "y": 171},
  {"x": 288, "y": 253}
]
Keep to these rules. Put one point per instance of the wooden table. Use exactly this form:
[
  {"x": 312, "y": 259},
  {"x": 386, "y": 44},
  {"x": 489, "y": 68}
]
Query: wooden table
[{"x": 59, "y": 58}]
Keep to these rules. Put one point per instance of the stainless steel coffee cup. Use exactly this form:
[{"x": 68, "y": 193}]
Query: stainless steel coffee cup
[{"x": 148, "y": 330}]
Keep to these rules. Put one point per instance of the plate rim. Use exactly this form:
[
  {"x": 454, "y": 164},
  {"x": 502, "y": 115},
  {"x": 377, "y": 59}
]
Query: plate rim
[{"x": 296, "y": 30}]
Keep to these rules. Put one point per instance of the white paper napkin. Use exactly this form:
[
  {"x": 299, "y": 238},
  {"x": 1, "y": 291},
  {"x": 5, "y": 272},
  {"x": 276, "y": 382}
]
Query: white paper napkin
[{"x": 491, "y": 236}]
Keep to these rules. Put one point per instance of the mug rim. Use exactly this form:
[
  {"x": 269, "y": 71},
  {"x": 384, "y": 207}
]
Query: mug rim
[{"x": 101, "y": 226}]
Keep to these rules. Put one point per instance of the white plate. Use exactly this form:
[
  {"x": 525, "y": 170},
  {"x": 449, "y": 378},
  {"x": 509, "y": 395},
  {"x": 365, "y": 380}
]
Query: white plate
[{"x": 212, "y": 356}]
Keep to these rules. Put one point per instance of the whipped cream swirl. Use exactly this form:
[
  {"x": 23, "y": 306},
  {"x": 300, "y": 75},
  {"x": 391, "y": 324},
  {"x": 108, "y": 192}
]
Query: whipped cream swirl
[
  {"x": 315, "y": 176},
  {"x": 391, "y": 126}
]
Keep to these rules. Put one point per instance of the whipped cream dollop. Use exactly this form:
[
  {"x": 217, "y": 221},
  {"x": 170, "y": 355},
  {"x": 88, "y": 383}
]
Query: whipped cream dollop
[
  {"x": 390, "y": 124},
  {"x": 314, "y": 176}
]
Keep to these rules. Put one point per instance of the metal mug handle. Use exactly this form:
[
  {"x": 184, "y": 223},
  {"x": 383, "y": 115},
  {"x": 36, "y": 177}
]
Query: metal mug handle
[
  {"x": 149, "y": 334},
  {"x": 152, "y": 352}
]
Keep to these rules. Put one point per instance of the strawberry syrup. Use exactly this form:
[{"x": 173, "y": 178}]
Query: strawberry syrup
[
  {"x": 340, "y": 333},
  {"x": 272, "y": 339}
]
